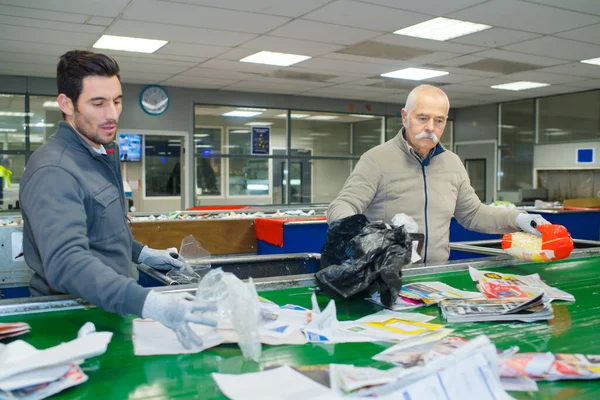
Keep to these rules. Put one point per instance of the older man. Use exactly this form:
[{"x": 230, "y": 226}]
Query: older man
[{"x": 415, "y": 175}]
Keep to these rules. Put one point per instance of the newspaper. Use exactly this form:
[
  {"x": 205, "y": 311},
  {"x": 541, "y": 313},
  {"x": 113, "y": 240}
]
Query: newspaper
[
  {"x": 420, "y": 354},
  {"x": 550, "y": 367},
  {"x": 516, "y": 285},
  {"x": 401, "y": 303},
  {"x": 434, "y": 292},
  {"x": 526, "y": 310},
  {"x": 73, "y": 377},
  {"x": 13, "y": 329}
]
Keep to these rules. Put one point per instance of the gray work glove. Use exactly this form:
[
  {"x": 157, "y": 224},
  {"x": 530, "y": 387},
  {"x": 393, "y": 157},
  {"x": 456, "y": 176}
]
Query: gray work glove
[
  {"x": 176, "y": 311},
  {"x": 162, "y": 260},
  {"x": 529, "y": 222}
]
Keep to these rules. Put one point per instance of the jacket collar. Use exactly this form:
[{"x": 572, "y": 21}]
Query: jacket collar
[
  {"x": 67, "y": 133},
  {"x": 406, "y": 148}
]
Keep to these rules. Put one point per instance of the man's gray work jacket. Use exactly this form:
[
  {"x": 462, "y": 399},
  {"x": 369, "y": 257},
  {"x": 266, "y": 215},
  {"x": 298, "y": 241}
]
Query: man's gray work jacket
[{"x": 76, "y": 237}]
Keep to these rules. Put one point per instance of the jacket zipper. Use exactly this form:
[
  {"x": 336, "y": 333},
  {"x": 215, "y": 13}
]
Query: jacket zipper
[{"x": 426, "y": 221}]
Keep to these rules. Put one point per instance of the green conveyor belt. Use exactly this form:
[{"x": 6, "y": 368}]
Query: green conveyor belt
[{"x": 118, "y": 374}]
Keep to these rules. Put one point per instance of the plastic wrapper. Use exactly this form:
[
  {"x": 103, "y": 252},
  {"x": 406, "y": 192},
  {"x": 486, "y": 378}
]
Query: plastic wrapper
[
  {"x": 554, "y": 244},
  {"x": 373, "y": 260},
  {"x": 238, "y": 308},
  {"x": 404, "y": 220},
  {"x": 196, "y": 259}
]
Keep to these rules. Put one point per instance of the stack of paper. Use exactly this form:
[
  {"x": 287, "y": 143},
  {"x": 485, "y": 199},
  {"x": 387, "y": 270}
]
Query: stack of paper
[
  {"x": 550, "y": 367},
  {"x": 434, "y": 292},
  {"x": 526, "y": 310},
  {"x": 13, "y": 329},
  {"x": 29, "y": 373},
  {"x": 497, "y": 285}
]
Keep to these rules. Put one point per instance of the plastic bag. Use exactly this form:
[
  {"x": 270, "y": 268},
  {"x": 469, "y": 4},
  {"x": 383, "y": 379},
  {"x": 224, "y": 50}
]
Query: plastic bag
[
  {"x": 339, "y": 235},
  {"x": 404, "y": 220},
  {"x": 196, "y": 259},
  {"x": 555, "y": 244},
  {"x": 374, "y": 261},
  {"x": 239, "y": 308}
]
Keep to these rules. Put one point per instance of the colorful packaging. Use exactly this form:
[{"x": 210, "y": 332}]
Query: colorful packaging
[{"x": 554, "y": 244}]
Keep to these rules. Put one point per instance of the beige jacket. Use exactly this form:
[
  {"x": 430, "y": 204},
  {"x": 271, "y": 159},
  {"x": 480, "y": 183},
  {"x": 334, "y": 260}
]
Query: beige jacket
[{"x": 391, "y": 178}]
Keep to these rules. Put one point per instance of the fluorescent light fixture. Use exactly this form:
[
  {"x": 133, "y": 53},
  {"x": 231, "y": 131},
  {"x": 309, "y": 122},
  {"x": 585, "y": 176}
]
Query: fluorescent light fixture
[
  {"x": 259, "y": 123},
  {"x": 252, "y": 109},
  {"x": 238, "y": 113},
  {"x": 442, "y": 29},
  {"x": 51, "y": 104},
  {"x": 39, "y": 125},
  {"x": 201, "y": 135},
  {"x": 294, "y": 116},
  {"x": 5, "y": 95},
  {"x": 414, "y": 74},
  {"x": 14, "y": 114},
  {"x": 322, "y": 117},
  {"x": 318, "y": 134},
  {"x": 257, "y": 186},
  {"x": 239, "y": 131},
  {"x": 272, "y": 58},
  {"x": 594, "y": 61},
  {"x": 204, "y": 146},
  {"x": 124, "y": 43},
  {"x": 8, "y": 130},
  {"x": 521, "y": 85},
  {"x": 362, "y": 116}
]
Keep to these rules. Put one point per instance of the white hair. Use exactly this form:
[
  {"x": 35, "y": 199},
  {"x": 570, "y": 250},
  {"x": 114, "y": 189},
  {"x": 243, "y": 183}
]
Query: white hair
[{"x": 414, "y": 94}]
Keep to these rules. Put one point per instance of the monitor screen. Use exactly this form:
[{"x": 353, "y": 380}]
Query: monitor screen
[{"x": 130, "y": 147}]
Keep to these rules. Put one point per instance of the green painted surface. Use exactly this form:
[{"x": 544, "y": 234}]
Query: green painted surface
[{"x": 118, "y": 374}]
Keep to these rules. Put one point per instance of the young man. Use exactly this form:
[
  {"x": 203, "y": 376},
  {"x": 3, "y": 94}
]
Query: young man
[
  {"x": 76, "y": 237},
  {"x": 413, "y": 174}
]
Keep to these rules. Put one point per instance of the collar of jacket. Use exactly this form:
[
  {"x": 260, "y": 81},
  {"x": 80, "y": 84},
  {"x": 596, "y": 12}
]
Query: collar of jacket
[
  {"x": 67, "y": 133},
  {"x": 406, "y": 148}
]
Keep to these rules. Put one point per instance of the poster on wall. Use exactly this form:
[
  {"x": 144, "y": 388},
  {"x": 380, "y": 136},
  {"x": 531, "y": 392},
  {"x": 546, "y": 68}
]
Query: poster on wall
[{"x": 261, "y": 138}]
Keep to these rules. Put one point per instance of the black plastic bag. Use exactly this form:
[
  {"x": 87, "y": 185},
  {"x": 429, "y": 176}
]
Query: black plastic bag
[
  {"x": 339, "y": 235},
  {"x": 374, "y": 261}
]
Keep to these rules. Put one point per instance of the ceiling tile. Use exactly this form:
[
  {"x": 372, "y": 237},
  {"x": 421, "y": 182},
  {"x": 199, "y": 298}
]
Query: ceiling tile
[
  {"x": 195, "y": 50},
  {"x": 559, "y": 48},
  {"x": 575, "y": 69},
  {"x": 555, "y": 89},
  {"x": 585, "y": 6},
  {"x": 128, "y": 67},
  {"x": 197, "y": 82},
  {"x": 302, "y": 68},
  {"x": 28, "y": 69},
  {"x": 302, "y": 29},
  {"x": 458, "y": 61},
  {"x": 366, "y": 16},
  {"x": 217, "y": 73},
  {"x": 104, "y": 8},
  {"x": 287, "y": 45},
  {"x": 30, "y": 58},
  {"x": 236, "y": 54},
  {"x": 29, "y": 34},
  {"x": 537, "y": 76},
  {"x": 349, "y": 57},
  {"x": 42, "y": 14},
  {"x": 39, "y": 23},
  {"x": 102, "y": 21},
  {"x": 201, "y": 17},
  {"x": 175, "y": 33},
  {"x": 286, "y": 8},
  {"x": 33, "y": 48},
  {"x": 432, "y": 7},
  {"x": 343, "y": 65},
  {"x": 238, "y": 66},
  {"x": 590, "y": 34},
  {"x": 142, "y": 77},
  {"x": 499, "y": 66},
  {"x": 269, "y": 87},
  {"x": 515, "y": 14},
  {"x": 495, "y": 37},
  {"x": 519, "y": 57},
  {"x": 287, "y": 82},
  {"x": 427, "y": 44},
  {"x": 344, "y": 79},
  {"x": 587, "y": 84}
]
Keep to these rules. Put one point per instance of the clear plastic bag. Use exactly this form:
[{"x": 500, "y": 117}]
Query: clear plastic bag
[
  {"x": 238, "y": 308},
  {"x": 554, "y": 244},
  {"x": 196, "y": 259}
]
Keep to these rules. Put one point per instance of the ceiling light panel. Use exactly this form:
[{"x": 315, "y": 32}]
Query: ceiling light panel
[
  {"x": 241, "y": 113},
  {"x": 414, "y": 74},
  {"x": 124, "y": 43},
  {"x": 272, "y": 58},
  {"x": 322, "y": 117},
  {"x": 594, "y": 61},
  {"x": 442, "y": 29},
  {"x": 521, "y": 85}
]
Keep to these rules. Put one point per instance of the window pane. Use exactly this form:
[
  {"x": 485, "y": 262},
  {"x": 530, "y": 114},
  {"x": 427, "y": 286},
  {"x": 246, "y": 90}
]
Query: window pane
[
  {"x": 11, "y": 172},
  {"x": 516, "y": 135},
  {"x": 329, "y": 134},
  {"x": 394, "y": 124},
  {"x": 366, "y": 134},
  {"x": 12, "y": 122},
  {"x": 569, "y": 118},
  {"x": 163, "y": 165},
  {"x": 208, "y": 141},
  {"x": 249, "y": 176},
  {"x": 328, "y": 178},
  {"x": 44, "y": 121}
]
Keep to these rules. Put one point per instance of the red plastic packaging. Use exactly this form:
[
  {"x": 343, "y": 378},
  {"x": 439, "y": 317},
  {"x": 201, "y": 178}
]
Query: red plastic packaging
[{"x": 556, "y": 244}]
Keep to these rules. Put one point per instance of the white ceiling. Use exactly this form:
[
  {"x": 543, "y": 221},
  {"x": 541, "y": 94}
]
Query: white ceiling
[{"x": 207, "y": 38}]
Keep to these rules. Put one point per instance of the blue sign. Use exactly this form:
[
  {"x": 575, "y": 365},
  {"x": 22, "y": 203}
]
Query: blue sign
[
  {"x": 261, "y": 139},
  {"x": 585, "y": 156}
]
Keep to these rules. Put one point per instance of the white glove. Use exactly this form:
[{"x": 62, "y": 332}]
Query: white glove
[
  {"x": 529, "y": 222},
  {"x": 162, "y": 260},
  {"x": 176, "y": 311}
]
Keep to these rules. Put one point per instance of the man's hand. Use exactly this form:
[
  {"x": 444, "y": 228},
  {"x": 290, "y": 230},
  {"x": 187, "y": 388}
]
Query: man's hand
[
  {"x": 162, "y": 260},
  {"x": 529, "y": 222},
  {"x": 176, "y": 311}
]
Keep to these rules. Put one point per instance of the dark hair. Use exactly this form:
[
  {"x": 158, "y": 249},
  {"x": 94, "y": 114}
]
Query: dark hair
[{"x": 76, "y": 65}]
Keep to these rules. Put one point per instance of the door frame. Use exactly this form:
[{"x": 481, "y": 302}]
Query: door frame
[{"x": 495, "y": 163}]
